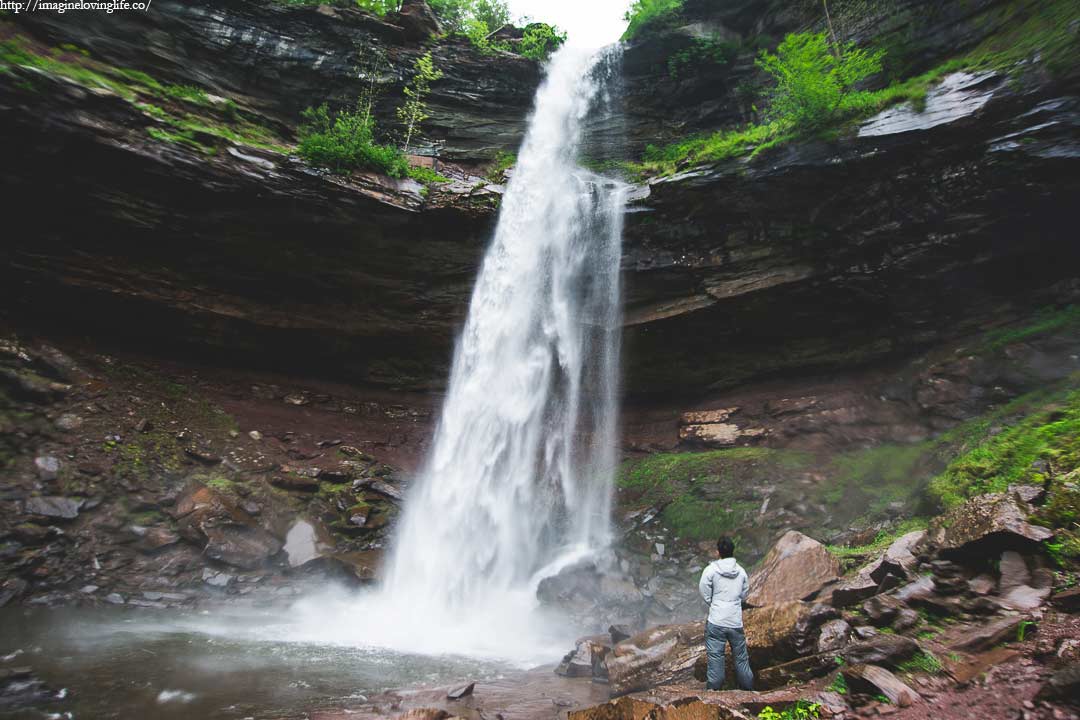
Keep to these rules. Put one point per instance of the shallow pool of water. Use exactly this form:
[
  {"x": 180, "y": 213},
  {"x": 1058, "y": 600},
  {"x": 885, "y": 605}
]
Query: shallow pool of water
[{"x": 126, "y": 663}]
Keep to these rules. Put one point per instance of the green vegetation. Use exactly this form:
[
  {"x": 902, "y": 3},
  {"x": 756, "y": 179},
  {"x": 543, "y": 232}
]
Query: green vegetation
[
  {"x": 1043, "y": 29},
  {"x": 1022, "y": 629},
  {"x": 924, "y": 662},
  {"x": 1044, "y": 444},
  {"x": 814, "y": 78},
  {"x": 839, "y": 685},
  {"x": 477, "y": 20},
  {"x": 345, "y": 141},
  {"x": 414, "y": 110},
  {"x": 329, "y": 491},
  {"x": 702, "y": 493},
  {"x": 649, "y": 14},
  {"x": 713, "y": 148},
  {"x": 701, "y": 52},
  {"x": 874, "y": 478},
  {"x": 880, "y": 543},
  {"x": 540, "y": 40},
  {"x": 503, "y": 162},
  {"x": 1047, "y": 320},
  {"x": 801, "y": 710},
  {"x": 188, "y": 93},
  {"x": 214, "y": 121}
]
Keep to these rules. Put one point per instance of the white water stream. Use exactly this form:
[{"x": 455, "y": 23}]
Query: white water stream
[{"x": 518, "y": 483}]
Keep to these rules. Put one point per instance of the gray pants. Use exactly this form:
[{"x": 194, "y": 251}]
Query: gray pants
[{"x": 715, "y": 639}]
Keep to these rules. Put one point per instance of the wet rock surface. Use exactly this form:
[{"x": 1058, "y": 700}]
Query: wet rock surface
[
  {"x": 143, "y": 523},
  {"x": 797, "y": 568}
]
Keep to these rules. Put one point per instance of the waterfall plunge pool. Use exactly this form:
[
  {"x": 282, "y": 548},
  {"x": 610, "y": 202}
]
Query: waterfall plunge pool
[{"x": 227, "y": 663}]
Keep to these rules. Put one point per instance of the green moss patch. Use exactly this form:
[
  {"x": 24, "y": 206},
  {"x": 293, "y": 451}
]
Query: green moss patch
[
  {"x": 852, "y": 556},
  {"x": 704, "y": 494},
  {"x": 1043, "y": 443},
  {"x": 189, "y": 115}
]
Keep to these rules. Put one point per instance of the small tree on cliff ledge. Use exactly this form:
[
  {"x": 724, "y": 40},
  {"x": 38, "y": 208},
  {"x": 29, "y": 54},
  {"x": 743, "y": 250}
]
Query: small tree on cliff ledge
[
  {"x": 814, "y": 78},
  {"x": 414, "y": 110}
]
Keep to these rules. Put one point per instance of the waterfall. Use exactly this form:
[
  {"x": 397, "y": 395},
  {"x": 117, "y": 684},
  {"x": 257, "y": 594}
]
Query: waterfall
[{"x": 519, "y": 479}]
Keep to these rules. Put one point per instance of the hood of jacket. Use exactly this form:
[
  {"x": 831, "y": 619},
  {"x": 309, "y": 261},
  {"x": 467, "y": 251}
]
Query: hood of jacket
[{"x": 727, "y": 567}]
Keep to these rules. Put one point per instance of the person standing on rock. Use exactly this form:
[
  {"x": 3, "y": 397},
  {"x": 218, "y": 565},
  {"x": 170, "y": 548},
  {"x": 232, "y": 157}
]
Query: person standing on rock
[{"x": 724, "y": 587}]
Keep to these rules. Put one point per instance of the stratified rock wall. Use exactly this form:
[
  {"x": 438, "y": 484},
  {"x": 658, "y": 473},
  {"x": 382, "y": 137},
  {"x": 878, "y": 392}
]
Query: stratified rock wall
[{"x": 284, "y": 58}]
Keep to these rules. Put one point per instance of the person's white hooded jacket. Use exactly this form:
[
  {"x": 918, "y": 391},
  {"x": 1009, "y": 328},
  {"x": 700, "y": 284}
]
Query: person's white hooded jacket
[{"x": 724, "y": 587}]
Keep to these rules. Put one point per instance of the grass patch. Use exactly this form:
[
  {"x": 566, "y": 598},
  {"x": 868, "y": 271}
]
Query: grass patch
[
  {"x": 329, "y": 491},
  {"x": 922, "y": 662},
  {"x": 874, "y": 478},
  {"x": 1045, "y": 442},
  {"x": 219, "y": 483},
  {"x": 703, "y": 493},
  {"x": 880, "y": 543},
  {"x": 1047, "y": 320}
]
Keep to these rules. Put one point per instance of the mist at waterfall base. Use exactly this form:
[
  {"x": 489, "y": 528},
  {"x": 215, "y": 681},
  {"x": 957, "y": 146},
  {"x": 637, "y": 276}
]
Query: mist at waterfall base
[{"x": 518, "y": 483}]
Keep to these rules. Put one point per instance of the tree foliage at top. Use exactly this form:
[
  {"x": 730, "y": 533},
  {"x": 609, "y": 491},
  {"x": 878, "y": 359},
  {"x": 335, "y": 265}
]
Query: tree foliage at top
[
  {"x": 540, "y": 40},
  {"x": 814, "y": 77},
  {"x": 648, "y": 12}
]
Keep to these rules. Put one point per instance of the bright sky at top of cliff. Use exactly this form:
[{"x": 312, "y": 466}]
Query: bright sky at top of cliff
[{"x": 589, "y": 23}]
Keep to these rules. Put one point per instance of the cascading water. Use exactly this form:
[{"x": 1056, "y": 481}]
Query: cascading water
[
  {"x": 519, "y": 476},
  {"x": 518, "y": 483}
]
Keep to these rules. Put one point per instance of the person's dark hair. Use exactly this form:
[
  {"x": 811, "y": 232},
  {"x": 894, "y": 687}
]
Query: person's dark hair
[{"x": 725, "y": 547}]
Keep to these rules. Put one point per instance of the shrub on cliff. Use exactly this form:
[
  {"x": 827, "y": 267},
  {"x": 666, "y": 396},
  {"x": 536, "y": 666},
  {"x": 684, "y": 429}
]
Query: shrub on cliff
[
  {"x": 540, "y": 40},
  {"x": 414, "y": 110},
  {"x": 346, "y": 141},
  {"x": 814, "y": 78}
]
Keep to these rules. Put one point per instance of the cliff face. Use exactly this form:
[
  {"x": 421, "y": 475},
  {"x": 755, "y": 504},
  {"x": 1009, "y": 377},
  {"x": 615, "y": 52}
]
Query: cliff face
[
  {"x": 829, "y": 254},
  {"x": 227, "y": 246},
  {"x": 281, "y": 59},
  {"x": 915, "y": 228},
  {"x": 910, "y": 228}
]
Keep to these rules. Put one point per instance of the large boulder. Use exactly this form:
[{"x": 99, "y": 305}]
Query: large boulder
[
  {"x": 874, "y": 680},
  {"x": 1063, "y": 685},
  {"x": 899, "y": 560},
  {"x": 658, "y": 656},
  {"x": 52, "y": 507},
  {"x": 240, "y": 545},
  {"x": 782, "y": 632},
  {"x": 418, "y": 20},
  {"x": 985, "y": 524},
  {"x": 859, "y": 586},
  {"x": 214, "y": 520},
  {"x": 587, "y": 658},
  {"x": 797, "y": 568},
  {"x": 879, "y": 649}
]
